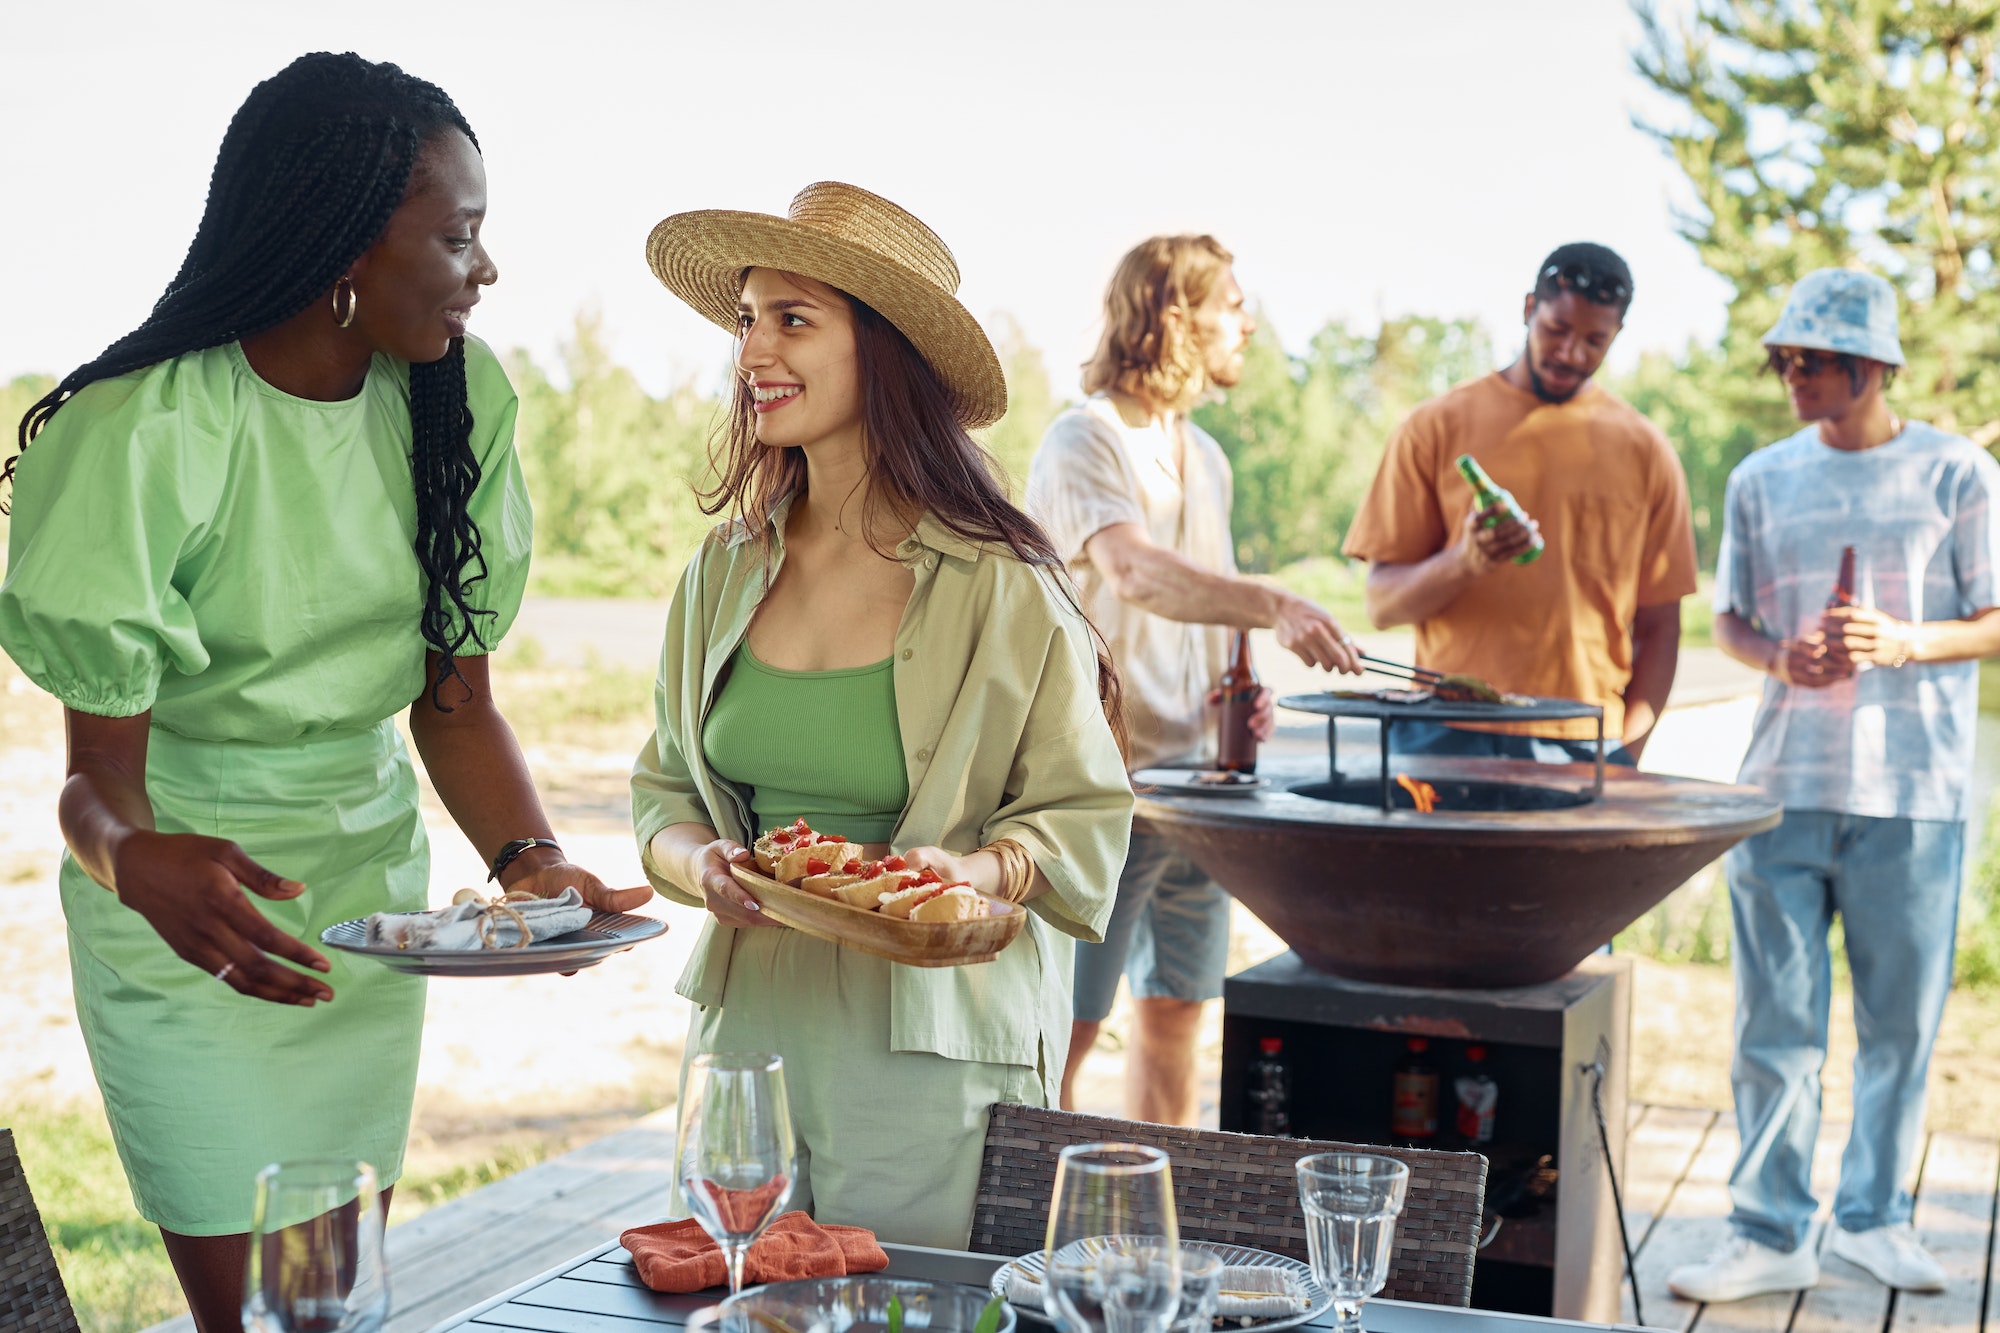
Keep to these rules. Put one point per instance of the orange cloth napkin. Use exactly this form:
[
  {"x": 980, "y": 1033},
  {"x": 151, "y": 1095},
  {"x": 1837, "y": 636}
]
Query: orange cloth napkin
[{"x": 681, "y": 1257}]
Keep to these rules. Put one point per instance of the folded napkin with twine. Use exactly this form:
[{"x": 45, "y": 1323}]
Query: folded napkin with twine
[
  {"x": 1246, "y": 1291},
  {"x": 511, "y": 922},
  {"x": 681, "y": 1257},
  {"x": 1258, "y": 1293}
]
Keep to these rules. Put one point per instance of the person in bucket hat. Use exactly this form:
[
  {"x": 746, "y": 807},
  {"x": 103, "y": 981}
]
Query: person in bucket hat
[
  {"x": 879, "y": 642},
  {"x": 1865, "y": 734}
]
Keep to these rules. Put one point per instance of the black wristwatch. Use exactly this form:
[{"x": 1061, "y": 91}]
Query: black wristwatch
[{"x": 513, "y": 849}]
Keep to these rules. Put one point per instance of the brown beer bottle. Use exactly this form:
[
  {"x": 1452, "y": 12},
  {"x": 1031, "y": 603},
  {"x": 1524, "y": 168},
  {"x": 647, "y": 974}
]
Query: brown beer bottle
[
  {"x": 1843, "y": 591},
  {"x": 1236, "y": 747}
]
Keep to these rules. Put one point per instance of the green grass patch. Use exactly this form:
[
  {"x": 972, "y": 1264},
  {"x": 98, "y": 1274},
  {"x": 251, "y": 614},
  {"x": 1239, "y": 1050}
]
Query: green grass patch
[{"x": 111, "y": 1259}]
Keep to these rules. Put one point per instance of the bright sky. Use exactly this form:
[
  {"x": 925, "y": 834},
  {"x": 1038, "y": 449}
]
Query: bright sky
[{"x": 1359, "y": 158}]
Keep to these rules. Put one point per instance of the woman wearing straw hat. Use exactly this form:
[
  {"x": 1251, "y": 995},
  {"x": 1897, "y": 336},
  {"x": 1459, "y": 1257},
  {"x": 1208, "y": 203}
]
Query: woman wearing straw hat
[{"x": 880, "y": 642}]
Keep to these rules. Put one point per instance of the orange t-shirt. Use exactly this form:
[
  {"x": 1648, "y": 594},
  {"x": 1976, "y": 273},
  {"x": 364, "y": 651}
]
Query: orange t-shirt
[{"x": 1612, "y": 502}]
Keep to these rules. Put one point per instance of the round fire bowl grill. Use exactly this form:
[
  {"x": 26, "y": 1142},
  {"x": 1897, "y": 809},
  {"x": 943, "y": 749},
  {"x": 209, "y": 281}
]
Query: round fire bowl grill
[{"x": 1513, "y": 879}]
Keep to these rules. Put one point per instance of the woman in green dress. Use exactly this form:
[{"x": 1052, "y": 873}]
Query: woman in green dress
[
  {"x": 882, "y": 643},
  {"x": 283, "y": 510}
]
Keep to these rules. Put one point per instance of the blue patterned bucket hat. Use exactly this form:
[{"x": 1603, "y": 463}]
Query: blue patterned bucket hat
[{"x": 1841, "y": 310}]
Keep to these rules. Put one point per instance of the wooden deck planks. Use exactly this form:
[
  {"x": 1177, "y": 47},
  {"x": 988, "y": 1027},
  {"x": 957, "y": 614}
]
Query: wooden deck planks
[
  {"x": 1689, "y": 1227},
  {"x": 1660, "y": 1149},
  {"x": 1954, "y": 1220},
  {"x": 1678, "y": 1198},
  {"x": 1775, "y": 1313}
]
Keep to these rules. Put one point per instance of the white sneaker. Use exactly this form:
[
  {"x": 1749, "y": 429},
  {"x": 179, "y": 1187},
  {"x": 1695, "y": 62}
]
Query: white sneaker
[
  {"x": 1741, "y": 1267},
  {"x": 1892, "y": 1255}
]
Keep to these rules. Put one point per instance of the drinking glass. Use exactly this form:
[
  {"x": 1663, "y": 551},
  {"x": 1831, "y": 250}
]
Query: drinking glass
[
  {"x": 1114, "y": 1250},
  {"x": 1351, "y": 1202},
  {"x": 1201, "y": 1290},
  {"x": 316, "y": 1262},
  {"x": 735, "y": 1155}
]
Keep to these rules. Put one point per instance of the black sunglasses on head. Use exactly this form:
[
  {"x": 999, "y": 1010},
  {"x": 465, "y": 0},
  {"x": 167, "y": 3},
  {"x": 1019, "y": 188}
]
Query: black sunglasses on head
[{"x": 1588, "y": 283}]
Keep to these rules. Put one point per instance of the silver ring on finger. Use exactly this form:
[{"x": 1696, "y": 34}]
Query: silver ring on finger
[{"x": 222, "y": 973}]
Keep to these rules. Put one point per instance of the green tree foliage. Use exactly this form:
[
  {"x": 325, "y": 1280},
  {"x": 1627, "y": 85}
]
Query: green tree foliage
[
  {"x": 1031, "y": 406},
  {"x": 611, "y": 470},
  {"x": 1684, "y": 397},
  {"x": 1304, "y": 433},
  {"x": 16, "y": 397},
  {"x": 1844, "y": 132}
]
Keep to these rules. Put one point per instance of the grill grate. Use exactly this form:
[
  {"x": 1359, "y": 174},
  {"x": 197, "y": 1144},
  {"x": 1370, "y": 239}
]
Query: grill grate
[{"x": 1389, "y": 712}]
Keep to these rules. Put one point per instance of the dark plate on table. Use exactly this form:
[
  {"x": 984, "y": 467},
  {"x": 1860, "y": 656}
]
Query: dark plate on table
[
  {"x": 607, "y": 933},
  {"x": 1200, "y": 781},
  {"x": 1318, "y": 1299}
]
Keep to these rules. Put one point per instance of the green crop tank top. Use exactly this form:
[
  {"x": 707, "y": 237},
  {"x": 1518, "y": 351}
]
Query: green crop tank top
[{"x": 822, "y": 745}]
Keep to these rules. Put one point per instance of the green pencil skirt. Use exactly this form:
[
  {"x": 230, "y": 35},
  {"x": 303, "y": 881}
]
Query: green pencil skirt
[{"x": 203, "y": 1086}]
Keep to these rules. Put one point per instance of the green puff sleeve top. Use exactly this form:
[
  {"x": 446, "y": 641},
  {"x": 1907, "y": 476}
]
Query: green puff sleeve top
[{"x": 190, "y": 540}]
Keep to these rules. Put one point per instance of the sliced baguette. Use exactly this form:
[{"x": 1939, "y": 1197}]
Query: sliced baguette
[
  {"x": 902, "y": 902},
  {"x": 826, "y": 885},
  {"x": 832, "y": 852},
  {"x": 868, "y": 892},
  {"x": 957, "y": 903}
]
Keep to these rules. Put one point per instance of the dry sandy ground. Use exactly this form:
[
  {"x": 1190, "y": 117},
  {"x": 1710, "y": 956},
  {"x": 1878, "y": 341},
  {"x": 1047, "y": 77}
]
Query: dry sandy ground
[{"x": 524, "y": 1067}]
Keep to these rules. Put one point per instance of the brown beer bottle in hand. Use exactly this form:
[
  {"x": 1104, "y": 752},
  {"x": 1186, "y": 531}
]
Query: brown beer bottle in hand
[
  {"x": 1843, "y": 591},
  {"x": 1236, "y": 747}
]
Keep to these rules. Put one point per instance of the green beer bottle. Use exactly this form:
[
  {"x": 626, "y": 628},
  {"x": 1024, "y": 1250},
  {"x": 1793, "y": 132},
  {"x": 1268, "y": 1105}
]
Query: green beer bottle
[{"x": 1490, "y": 495}]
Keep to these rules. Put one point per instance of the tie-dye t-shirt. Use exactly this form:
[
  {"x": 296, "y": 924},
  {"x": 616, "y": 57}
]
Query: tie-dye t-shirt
[{"x": 1920, "y": 513}]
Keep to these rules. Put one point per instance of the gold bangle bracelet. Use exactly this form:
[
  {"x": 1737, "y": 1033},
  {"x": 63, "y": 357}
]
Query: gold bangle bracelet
[{"x": 1017, "y": 869}]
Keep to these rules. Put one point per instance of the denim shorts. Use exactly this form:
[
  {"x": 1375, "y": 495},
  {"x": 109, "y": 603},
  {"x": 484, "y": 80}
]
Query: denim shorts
[{"x": 1169, "y": 933}]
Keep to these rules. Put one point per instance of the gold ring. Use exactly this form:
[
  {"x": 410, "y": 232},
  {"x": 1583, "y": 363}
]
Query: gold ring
[{"x": 222, "y": 974}]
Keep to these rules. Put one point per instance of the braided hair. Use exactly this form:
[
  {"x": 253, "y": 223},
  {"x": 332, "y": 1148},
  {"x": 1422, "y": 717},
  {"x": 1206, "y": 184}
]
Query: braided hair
[{"x": 313, "y": 164}]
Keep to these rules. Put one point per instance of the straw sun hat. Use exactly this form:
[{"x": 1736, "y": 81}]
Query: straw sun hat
[{"x": 855, "y": 241}]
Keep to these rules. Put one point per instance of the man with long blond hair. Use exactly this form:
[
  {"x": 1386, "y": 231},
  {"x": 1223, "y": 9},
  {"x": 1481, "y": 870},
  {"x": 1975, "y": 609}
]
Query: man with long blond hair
[{"x": 1136, "y": 498}]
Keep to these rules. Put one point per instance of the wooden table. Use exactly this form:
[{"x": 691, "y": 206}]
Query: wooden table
[{"x": 601, "y": 1293}]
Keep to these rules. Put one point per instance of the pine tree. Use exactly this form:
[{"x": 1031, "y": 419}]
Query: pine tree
[{"x": 1862, "y": 133}]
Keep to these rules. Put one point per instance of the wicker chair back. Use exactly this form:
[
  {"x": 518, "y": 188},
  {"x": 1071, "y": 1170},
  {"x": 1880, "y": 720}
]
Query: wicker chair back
[{"x": 1235, "y": 1189}]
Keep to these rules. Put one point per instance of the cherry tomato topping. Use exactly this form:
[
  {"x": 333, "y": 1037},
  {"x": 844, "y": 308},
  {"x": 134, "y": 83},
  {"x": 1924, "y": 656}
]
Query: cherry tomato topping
[
  {"x": 817, "y": 867},
  {"x": 851, "y": 868},
  {"x": 895, "y": 863}
]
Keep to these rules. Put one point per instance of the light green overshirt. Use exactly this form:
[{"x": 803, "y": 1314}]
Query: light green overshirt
[{"x": 1003, "y": 736}]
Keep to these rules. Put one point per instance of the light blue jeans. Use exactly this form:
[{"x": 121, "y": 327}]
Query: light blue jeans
[{"x": 1894, "y": 883}]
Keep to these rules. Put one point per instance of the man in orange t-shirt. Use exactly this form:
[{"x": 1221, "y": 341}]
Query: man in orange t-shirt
[{"x": 1597, "y": 616}]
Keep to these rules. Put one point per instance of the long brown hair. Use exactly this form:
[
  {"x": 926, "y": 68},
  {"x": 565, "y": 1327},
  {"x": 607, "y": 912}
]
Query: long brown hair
[
  {"x": 1142, "y": 353},
  {"x": 920, "y": 460}
]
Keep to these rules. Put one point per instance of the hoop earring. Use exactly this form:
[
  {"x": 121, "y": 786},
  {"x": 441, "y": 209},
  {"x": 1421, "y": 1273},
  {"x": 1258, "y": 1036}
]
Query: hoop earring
[{"x": 353, "y": 302}]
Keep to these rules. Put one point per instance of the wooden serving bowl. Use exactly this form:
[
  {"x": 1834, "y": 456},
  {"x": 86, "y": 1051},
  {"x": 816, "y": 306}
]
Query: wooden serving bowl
[{"x": 915, "y": 943}]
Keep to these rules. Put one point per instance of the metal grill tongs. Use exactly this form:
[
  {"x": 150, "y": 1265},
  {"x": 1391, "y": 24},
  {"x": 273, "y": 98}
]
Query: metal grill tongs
[{"x": 1416, "y": 675}]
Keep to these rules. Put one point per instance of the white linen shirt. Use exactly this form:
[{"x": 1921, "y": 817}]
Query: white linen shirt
[{"x": 1094, "y": 470}]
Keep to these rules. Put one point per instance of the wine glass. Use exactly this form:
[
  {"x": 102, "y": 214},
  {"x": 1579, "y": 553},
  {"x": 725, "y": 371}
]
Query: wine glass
[
  {"x": 1351, "y": 1203},
  {"x": 734, "y": 1159},
  {"x": 1114, "y": 1251},
  {"x": 316, "y": 1262}
]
